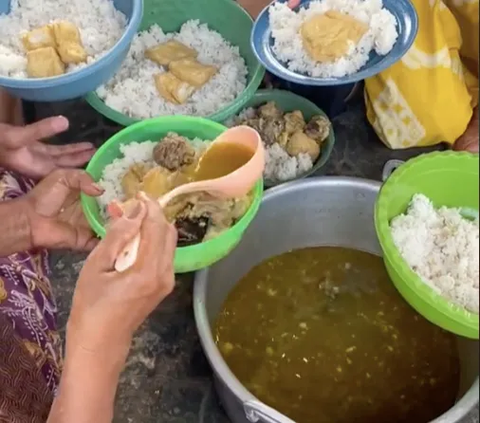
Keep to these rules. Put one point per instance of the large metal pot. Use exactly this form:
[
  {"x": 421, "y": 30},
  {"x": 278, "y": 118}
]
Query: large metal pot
[{"x": 325, "y": 211}]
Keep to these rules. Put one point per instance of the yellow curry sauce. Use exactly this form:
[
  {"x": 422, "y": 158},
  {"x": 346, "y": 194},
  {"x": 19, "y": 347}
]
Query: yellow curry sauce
[{"x": 321, "y": 335}]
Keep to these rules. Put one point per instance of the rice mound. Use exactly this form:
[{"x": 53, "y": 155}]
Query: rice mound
[
  {"x": 442, "y": 247},
  {"x": 279, "y": 165},
  {"x": 100, "y": 25},
  {"x": 132, "y": 90},
  {"x": 132, "y": 153},
  {"x": 288, "y": 45}
]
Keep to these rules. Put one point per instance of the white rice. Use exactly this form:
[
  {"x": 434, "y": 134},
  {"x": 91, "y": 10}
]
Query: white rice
[
  {"x": 279, "y": 165},
  {"x": 134, "y": 152},
  {"x": 100, "y": 25},
  {"x": 442, "y": 247},
  {"x": 132, "y": 90},
  {"x": 288, "y": 46}
]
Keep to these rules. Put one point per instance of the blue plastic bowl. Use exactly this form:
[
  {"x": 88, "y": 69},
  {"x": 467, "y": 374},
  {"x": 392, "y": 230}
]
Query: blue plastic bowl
[
  {"x": 407, "y": 27},
  {"x": 78, "y": 83}
]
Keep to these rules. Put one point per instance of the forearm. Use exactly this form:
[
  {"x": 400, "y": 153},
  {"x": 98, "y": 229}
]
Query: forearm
[
  {"x": 88, "y": 386},
  {"x": 14, "y": 227}
]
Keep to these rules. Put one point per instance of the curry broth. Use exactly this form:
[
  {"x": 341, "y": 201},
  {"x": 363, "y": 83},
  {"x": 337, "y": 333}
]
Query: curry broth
[{"x": 321, "y": 335}]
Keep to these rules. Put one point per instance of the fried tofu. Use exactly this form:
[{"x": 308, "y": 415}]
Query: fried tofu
[
  {"x": 173, "y": 89},
  {"x": 66, "y": 32},
  {"x": 44, "y": 63},
  {"x": 192, "y": 71},
  {"x": 39, "y": 38},
  {"x": 165, "y": 53},
  {"x": 69, "y": 43}
]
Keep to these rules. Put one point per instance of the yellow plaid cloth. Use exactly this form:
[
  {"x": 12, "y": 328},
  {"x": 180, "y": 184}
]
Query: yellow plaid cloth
[{"x": 428, "y": 97}]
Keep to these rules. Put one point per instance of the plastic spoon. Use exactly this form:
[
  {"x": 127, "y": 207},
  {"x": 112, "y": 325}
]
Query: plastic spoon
[{"x": 235, "y": 184}]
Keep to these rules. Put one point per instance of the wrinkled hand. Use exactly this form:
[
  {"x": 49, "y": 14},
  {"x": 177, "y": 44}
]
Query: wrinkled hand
[
  {"x": 109, "y": 306},
  {"x": 55, "y": 214},
  {"x": 21, "y": 148}
]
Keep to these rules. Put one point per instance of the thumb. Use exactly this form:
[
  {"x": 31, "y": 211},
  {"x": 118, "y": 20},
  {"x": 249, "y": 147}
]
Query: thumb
[
  {"x": 292, "y": 4},
  {"x": 20, "y": 136},
  {"x": 119, "y": 234}
]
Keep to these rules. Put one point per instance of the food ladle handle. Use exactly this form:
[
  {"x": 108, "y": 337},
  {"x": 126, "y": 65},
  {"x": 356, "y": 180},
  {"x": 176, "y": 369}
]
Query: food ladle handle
[{"x": 256, "y": 411}]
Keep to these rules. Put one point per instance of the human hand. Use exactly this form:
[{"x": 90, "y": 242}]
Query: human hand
[
  {"x": 254, "y": 7},
  {"x": 108, "y": 306},
  {"x": 469, "y": 140},
  {"x": 21, "y": 148},
  {"x": 55, "y": 214}
]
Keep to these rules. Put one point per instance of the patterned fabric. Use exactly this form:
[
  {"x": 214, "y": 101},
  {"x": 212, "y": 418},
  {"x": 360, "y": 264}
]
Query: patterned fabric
[
  {"x": 428, "y": 97},
  {"x": 24, "y": 394},
  {"x": 26, "y": 299}
]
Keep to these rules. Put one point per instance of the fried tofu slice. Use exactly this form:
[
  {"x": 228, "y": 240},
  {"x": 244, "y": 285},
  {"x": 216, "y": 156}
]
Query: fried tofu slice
[
  {"x": 165, "y": 53},
  {"x": 69, "y": 43},
  {"x": 173, "y": 89},
  {"x": 192, "y": 71},
  {"x": 44, "y": 63},
  {"x": 39, "y": 38}
]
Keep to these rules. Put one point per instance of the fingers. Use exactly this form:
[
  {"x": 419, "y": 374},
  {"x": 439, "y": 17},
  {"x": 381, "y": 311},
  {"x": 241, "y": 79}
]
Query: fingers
[
  {"x": 20, "y": 136},
  {"x": 77, "y": 180},
  {"x": 62, "y": 150},
  {"x": 73, "y": 160},
  {"x": 120, "y": 233}
]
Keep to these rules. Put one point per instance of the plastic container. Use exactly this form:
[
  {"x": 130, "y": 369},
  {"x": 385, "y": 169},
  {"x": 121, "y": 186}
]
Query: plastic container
[
  {"x": 79, "y": 83},
  {"x": 289, "y": 102},
  {"x": 187, "y": 259},
  {"x": 448, "y": 179},
  {"x": 224, "y": 16}
]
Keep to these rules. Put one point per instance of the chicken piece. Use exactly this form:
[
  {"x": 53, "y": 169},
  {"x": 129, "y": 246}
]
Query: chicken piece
[
  {"x": 318, "y": 128},
  {"x": 300, "y": 143},
  {"x": 191, "y": 230},
  {"x": 173, "y": 152},
  {"x": 255, "y": 123},
  {"x": 66, "y": 32},
  {"x": 191, "y": 71},
  {"x": 156, "y": 182},
  {"x": 165, "y": 53},
  {"x": 271, "y": 130},
  {"x": 39, "y": 38},
  {"x": 283, "y": 139},
  {"x": 270, "y": 110},
  {"x": 294, "y": 121},
  {"x": 173, "y": 89},
  {"x": 327, "y": 37},
  {"x": 132, "y": 179},
  {"x": 44, "y": 63}
]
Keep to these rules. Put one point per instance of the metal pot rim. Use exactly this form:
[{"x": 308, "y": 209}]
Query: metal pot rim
[{"x": 219, "y": 366}]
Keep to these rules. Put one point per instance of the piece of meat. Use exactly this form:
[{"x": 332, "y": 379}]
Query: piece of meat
[
  {"x": 132, "y": 179},
  {"x": 301, "y": 143},
  {"x": 191, "y": 230},
  {"x": 173, "y": 152},
  {"x": 157, "y": 182},
  {"x": 69, "y": 43},
  {"x": 271, "y": 130},
  {"x": 318, "y": 128},
  {"x": 294, "y": 121},
  {"x": 270, "y": 111}
]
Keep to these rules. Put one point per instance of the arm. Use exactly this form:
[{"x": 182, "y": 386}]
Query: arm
[
  {"x": 14, "y": 228},
  {"x": 88, "y": 385}
]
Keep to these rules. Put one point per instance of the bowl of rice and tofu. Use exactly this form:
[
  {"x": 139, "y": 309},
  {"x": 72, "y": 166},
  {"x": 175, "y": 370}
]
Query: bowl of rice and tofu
[
  {"x": 57, "y": 50},
  {"x": 426, "y": 219},
  {"x": 297, "y": 135},
  {"x": 332, "y": 42},
  {"x": 191, "y": 58},
  {"x": 156, "y": 156}
]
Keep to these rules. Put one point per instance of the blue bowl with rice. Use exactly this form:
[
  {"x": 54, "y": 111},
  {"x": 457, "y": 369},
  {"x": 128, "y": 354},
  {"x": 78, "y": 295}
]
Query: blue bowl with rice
[
  {"x": 291, "y": 63},
  {"x": 92, "y": 19}
]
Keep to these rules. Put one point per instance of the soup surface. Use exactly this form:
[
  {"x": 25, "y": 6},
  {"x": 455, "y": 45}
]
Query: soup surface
[{"x": 321, "y": 335}]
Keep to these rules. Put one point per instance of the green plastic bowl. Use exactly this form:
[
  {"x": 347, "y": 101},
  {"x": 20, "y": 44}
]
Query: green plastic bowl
[
  {"x": 448, "y": 179},
  {"x": 187, "y": 259},
  {"x": 289, "y": 102},
  {"x": 224, "y": 16}
]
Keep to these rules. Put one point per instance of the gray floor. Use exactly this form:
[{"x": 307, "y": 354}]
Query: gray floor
[{"x": 167, "y": 379}]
